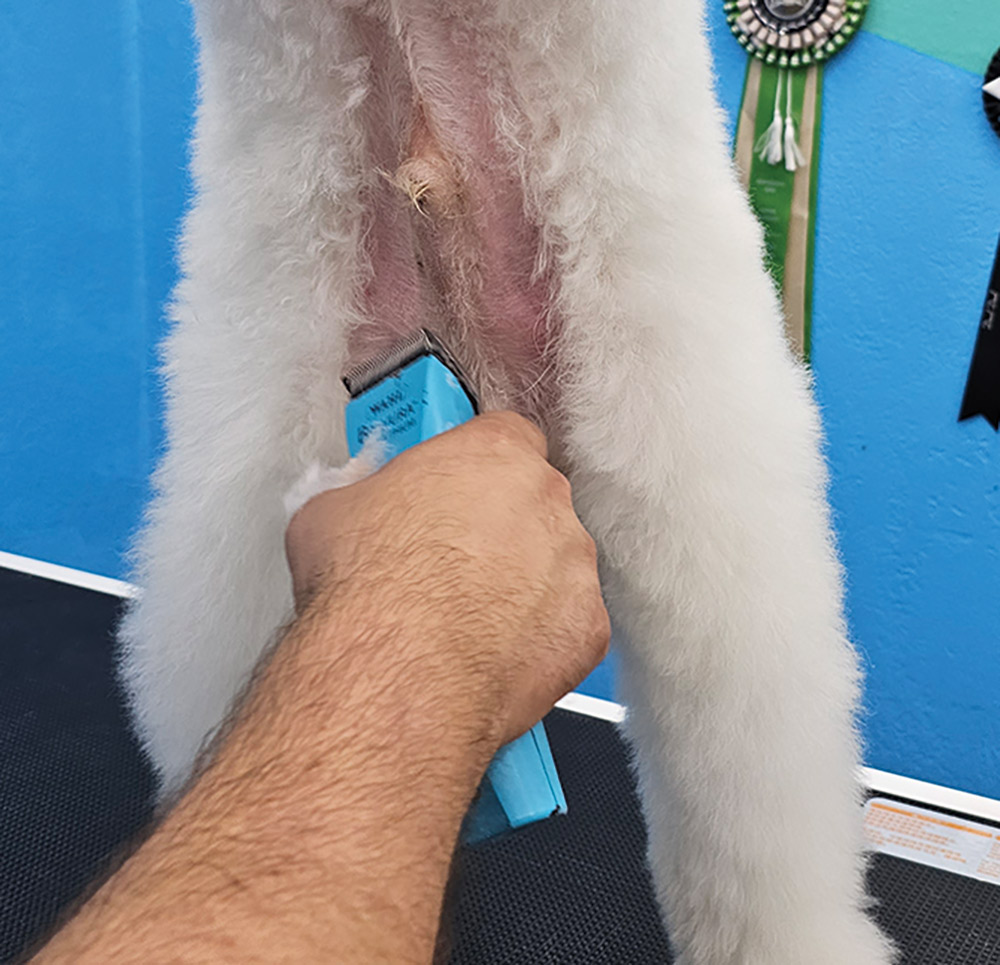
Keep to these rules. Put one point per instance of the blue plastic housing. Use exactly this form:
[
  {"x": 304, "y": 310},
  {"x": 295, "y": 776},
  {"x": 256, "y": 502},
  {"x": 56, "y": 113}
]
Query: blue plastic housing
[{"x": 415, "y": 403}]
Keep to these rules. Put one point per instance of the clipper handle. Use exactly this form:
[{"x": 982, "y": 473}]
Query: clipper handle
[
  {"x": 521, "y": 786},
  {"x": 414, "y": 403}
]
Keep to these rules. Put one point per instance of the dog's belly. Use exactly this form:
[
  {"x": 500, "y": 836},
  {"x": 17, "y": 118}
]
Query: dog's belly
[{"x": 449, "y": 243}]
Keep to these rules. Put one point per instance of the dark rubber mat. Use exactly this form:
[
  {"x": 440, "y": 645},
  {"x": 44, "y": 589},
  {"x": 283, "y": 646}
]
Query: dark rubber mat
[
  {"x": 573, "y": 890},
  {"x": 937, "y": 917}
]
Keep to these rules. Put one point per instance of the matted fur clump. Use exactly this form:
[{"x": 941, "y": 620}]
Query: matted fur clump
[{"x": 547, "y": 185}]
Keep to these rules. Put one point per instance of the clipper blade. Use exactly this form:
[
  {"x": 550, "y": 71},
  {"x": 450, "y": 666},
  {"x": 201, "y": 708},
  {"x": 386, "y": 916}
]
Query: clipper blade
[{"x": 362, "y": 377}]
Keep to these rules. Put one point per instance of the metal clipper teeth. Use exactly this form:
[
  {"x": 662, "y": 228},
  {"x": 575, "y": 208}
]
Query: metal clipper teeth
[{"x": 362, "y": 377}]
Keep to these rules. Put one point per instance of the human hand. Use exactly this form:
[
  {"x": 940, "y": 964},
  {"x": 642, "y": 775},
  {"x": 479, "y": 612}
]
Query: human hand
[{"x": 470, "y": 545}]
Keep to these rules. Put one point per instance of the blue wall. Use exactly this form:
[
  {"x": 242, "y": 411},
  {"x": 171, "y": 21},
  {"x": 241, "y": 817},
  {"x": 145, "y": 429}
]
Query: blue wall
[
  {"x": 95, "y": 115},
  {"x": 908, "y": 221}
]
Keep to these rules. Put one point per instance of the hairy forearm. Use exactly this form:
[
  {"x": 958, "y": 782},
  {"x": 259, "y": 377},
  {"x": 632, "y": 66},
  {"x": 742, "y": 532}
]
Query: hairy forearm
[{"x": 323, "y": 829}]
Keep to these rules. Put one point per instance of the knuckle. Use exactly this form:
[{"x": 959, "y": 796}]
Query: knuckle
[
  {"x": 557, "y": 485},
  {"x": 604, "y": 620},
  {"x": 601, "y": 630},
  {"x": 496, "y": 427},
  {"x": 510, "y": 427},
  {"x": 584, "y": 552},
  {"x": 598, "y": 620},
  {"x": 533, "y": 432}
]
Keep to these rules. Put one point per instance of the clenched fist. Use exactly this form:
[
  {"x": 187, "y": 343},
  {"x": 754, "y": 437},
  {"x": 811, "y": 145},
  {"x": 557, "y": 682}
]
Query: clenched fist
[
  {"x": 445, "y": 603},
  {"x": 468, "y": 548}
]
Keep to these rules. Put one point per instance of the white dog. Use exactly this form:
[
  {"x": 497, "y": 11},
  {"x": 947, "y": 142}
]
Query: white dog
[{"x": 547, "y": 185}]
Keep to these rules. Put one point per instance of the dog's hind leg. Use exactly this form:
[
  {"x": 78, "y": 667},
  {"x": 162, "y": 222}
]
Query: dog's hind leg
[
  {"x": 253, "y": 359},
  {"x": 696, "y": 466},
  {"x": 694, "y": 448}
]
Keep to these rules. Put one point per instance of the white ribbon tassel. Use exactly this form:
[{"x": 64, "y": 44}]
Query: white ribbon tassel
[
  {"x": 780, "y": 141},
  {"x": 768, "y": 146},
  {"x": 793, "y": 155}
]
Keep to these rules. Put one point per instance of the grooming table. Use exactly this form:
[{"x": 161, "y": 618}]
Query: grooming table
[{"x": 573, "y": 890}]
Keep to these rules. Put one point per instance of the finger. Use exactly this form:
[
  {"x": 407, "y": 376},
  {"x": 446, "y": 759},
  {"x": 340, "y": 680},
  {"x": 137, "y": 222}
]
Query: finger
[
  {"x": 518, "y": 429},
  {"x": 600, "y": 630}
]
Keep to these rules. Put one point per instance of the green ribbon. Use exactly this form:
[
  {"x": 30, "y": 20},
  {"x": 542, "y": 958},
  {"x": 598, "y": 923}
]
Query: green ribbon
[{"x": 784, "y": 200}]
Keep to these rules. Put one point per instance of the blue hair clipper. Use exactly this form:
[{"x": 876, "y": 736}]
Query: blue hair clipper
[{"x": 413, "y": 392}]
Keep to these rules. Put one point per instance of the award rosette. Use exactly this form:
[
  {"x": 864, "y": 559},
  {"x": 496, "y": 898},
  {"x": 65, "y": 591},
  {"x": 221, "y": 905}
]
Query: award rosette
[{"x": 777, "y": 139}]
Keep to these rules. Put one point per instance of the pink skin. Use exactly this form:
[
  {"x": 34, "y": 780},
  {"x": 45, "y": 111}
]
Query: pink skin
[{"x": 461, "y": 260}]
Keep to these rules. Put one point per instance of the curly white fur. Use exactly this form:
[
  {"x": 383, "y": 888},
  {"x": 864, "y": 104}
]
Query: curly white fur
[{"x": 689, "y": 433}]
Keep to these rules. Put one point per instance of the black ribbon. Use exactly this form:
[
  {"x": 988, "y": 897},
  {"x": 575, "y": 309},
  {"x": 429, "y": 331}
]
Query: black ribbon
[
  {"x": 991, "y": 104},
  {"x": 982, "y": 391}
]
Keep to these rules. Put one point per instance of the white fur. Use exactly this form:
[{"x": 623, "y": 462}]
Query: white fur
[
  {"x": 319, "y": 478},
  {"x": 688, "y": 431}
]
